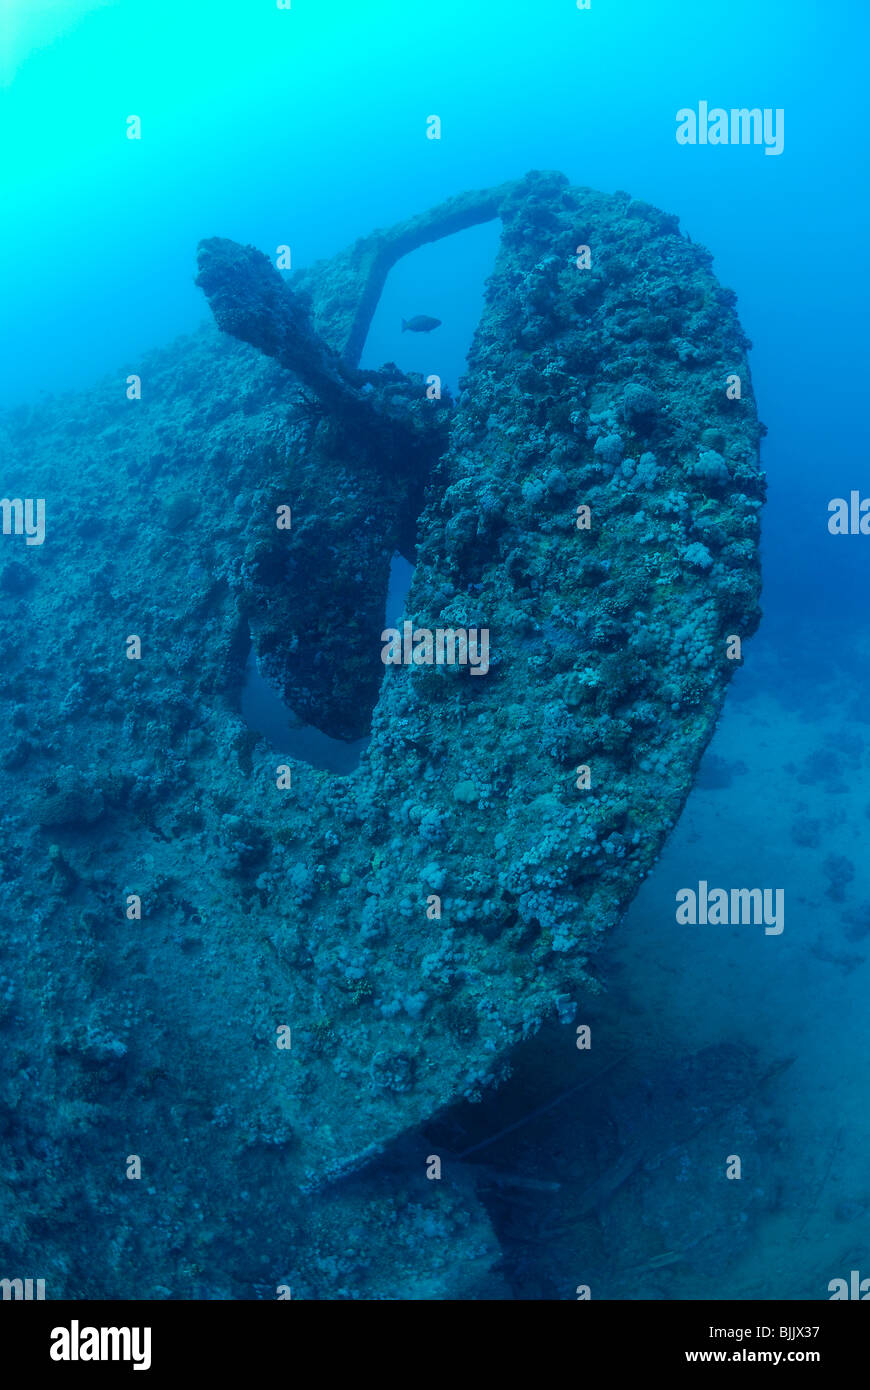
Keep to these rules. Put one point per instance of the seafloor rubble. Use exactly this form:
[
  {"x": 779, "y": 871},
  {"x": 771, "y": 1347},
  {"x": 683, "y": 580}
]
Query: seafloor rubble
[{"x": 599, "y": 386}]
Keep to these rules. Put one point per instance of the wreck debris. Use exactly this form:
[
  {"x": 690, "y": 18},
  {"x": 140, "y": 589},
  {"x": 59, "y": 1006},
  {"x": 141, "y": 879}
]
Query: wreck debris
[{"x": 595, "y": 381}]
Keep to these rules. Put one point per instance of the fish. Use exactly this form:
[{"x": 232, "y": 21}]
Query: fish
[{"x": 420, "y": 323}]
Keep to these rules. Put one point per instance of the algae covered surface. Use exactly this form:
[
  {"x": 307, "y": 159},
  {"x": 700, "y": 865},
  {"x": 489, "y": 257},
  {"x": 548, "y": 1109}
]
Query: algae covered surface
[{"x": 178, "y": 893}]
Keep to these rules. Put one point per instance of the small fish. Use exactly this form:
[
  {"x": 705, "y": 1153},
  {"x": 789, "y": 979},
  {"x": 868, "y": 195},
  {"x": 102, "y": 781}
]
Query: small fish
[{"x": 420, "y": 323}]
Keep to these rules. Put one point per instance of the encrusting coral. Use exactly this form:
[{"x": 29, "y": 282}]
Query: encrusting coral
[{"x": 593, "y": 383}]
